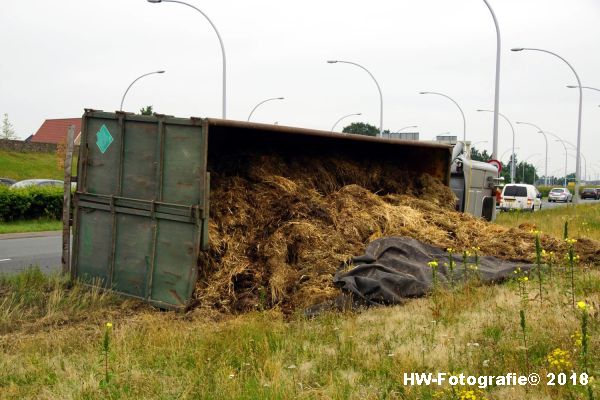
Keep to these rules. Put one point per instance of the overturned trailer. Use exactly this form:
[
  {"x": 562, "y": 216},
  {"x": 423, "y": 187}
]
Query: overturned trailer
[{"x": 142, "y": 205}]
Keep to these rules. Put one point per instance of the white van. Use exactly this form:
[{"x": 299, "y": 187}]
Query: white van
[{"x": 517, "y": 196}]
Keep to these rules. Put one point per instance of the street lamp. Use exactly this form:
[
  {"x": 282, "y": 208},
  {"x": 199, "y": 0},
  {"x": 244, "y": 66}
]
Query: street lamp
[
  {"x": 262, "y": 102},
  {"x": 506, "y": 151},
  {"x": 583, "y": 87},
  {"x": 540, "y": 130},
  {"x": 378, "y": 88},
  {"x": 584, "y": 160},
  {"x": 512, "y": 166},
  {"x": 459, "y": 109},
  {"x": 134, "y": 81},
  {"x": 558, "y": 139},
  {"x": 578, "y": 166},
  {"x": 345, "y": 116},
  {"x": 497, "y": 86},
  {"x": 524, "y": 161},
  {"x": 224, "y": 113}
]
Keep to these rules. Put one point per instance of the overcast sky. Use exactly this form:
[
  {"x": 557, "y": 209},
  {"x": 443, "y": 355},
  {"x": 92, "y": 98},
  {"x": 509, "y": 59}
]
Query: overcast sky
[{"x": 58, "y": 58}]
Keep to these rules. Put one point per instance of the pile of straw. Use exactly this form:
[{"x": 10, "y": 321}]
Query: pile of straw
[{"x": 278, "y": 231}]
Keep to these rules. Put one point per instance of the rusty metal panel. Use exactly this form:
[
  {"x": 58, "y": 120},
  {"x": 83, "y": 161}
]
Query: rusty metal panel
[{"x": 141, "y": 205}]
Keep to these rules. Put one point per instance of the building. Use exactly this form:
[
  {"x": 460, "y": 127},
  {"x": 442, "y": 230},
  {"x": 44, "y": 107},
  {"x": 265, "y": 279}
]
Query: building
[{"x": 55, "y": 130}]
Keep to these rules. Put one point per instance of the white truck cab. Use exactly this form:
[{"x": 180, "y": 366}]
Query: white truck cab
[{"x": 474, "y": 183}]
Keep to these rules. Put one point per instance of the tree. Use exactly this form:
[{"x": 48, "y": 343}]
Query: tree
[
  {"x": 361, "y": 128},
  {"x": 480, "y": 155},
  {"x": 8, "y": 132},
  {"x": 146, "y": 111}
]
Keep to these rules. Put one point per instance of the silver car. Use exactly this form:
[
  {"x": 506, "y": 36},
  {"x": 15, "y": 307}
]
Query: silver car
[
  {"x": 38, "y": 183},
  {"x": 560, "y": 194}
]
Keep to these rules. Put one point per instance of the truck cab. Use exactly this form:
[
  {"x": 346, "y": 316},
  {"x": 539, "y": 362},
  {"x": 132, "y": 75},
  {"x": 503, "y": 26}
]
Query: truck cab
[{"x": 474, "y": 183}]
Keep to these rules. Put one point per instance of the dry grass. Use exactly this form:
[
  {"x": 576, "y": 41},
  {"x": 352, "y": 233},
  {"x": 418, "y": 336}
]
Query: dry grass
[{"x": 266, "y": 355}]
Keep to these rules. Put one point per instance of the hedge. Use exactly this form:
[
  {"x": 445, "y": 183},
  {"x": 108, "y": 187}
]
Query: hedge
[{"x": 30, "y": 203}]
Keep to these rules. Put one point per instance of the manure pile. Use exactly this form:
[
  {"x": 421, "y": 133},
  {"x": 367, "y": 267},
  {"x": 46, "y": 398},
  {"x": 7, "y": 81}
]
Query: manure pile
[{"x": 279, "y": 229}]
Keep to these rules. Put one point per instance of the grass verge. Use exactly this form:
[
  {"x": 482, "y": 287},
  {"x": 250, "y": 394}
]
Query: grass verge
[
  {"x": 52, "y": 338},
  {"x": 20, "y": 165},
  {"x": 584, "y": 220},
  {"x": 36, "y": 225}
]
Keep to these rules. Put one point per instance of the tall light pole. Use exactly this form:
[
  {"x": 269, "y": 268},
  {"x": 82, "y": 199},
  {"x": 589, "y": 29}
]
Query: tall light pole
[
  {"x": 512, "y": 166},
  {"x": 540, "y": 130},
  {"x": 262, "y": 102},
  {"x": 533, "y": 155},
  {"x": 583, "y": 87},
  {"x": 459, "y": 109},
  {"x": 339, "y": 120},
  {"x": 506, "y": 151},
  {"x": 578, "y": 166},
  {"x": 558, "y": 139},
  {"x": 497, "y": 86},
  {"x": 584, "y": 160},
  {"x": 134, "y": 81},
  {"x": 224, "y": 113},
  {"x": 376, "y": 84}
]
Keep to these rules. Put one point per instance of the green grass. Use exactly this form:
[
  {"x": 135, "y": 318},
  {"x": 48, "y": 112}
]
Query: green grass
[
  {"x": 36, "y": 225},
  {"x": 19, "y": 166},
  {"x": 51, "y": 337},
  {"x": 584, "y": 220}
]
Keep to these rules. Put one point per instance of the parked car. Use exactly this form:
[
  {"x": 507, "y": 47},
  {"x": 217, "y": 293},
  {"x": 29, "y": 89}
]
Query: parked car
[
  {"x": 37, "y": 182},
  {"x": 560, "y": 194},
  {"x": 520, "y": 197},
  {"x": 590, "y": 193},
  {"x": 6, "y": 181}
]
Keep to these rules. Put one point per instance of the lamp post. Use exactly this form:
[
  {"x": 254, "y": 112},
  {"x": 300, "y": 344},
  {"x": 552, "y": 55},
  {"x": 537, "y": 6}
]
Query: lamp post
[
  {"x": 584, "y": 160},
  {"x": 578, "y": 166},
  {"x": 583, "y": 87},
  {"x": 345, "y": 116},
  {"x": 558, "y": 139},
  {"x": 512, "y": 166},
  {"x": 376, "y": 84},
  {"x": 497, "y": 86},
  {"x": 540, "y": 130},
  {"x": 224, "y": 112},
  {"x": 533, "y": 155},
  {"x": 134, "y": 81},
  {"x": 262, "y": 102},
  {"x": 506, "y": 151},
  {"x": 459, "y": 109}
]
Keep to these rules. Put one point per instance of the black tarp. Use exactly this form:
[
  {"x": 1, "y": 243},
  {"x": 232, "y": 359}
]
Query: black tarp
[{"x": 394, "y": 269}]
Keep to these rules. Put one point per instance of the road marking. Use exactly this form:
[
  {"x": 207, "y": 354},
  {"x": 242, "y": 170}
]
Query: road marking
[{"x": 5, "y": 259}]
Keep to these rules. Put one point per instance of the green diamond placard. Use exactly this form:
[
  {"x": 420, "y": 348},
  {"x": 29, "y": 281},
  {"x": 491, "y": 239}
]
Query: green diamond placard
[{"x": 103, "y": 138}]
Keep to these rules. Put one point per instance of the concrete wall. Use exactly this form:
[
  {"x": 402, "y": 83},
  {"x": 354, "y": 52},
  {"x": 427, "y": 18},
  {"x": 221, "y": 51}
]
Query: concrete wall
[{"x": 27, "y": 147}]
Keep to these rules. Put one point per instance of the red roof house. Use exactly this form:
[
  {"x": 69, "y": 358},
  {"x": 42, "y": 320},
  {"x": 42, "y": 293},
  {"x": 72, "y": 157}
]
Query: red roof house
[{"x": 55, "y": 130}]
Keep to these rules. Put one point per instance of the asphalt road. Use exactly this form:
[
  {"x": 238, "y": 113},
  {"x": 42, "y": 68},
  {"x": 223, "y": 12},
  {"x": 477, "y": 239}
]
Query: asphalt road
[
  {"x": 17, "y": 252},
  {"x": 547, "y": 205}
]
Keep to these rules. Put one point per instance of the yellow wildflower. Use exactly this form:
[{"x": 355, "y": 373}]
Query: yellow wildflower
[
  {"x": 559, "y": 360},
  {"x": 109, "y": 324},
  {"x": 433, "y": 264},
  {"x": 581, "y": 305}
]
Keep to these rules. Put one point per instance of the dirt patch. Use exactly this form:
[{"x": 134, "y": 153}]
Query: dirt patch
[{"x": 279, "y": 230}]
